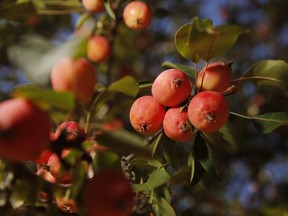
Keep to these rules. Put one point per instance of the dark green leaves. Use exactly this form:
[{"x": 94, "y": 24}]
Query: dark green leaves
[
  {"x": 267, "y": 73},
  {"x": 267, "y": 123},
  {"x": 200, "y": 40}
]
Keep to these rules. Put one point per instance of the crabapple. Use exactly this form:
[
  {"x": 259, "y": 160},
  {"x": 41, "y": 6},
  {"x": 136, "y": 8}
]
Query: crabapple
[
  {"x": 98, "y": 49},
  {"x": 137, "y": 15},
  {"x": 217, "y": 77},
  {"x": 171, "y": 87},
  {"x": 77, "y": 76},
  {"x": 208, "y": 111},
  {"x": 71, "y": 133},
  {"x": 55, "y": 168},
  {"x": 94, "y": 6},
  {"x": 24, "y": 130},
  {"x": 146, "y": 115},
  {"x": 175, "y": 125},
  {"x": 108, "y": 193}
]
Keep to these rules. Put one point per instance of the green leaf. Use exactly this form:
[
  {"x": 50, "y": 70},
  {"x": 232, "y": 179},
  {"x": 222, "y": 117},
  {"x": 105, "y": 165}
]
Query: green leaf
[
  {"x": 109, "y": 9},
  {"x": 200, "y": 40},
  {"x": 46, "y": 98},
  {"x": 36, "y": 56},
  {"x": 189, "y": 71},
  {"x": 165, "y": 209},
  {"x": 204, "y": 154},
  {"x": 169, "y": 150},
  {"x": 156, "y": 179},
  {"x": 145, "y": 86},
  {"x": 124, "y": 142},
  {"x": 267, "y": 73},
  {"x": 58, "y": 7},
  {"x": 106, "y": 159},
  {"x": 267, "y": 123},
  {"x": 196, "y": 171},
  {"x": 126, "y": 85},
  {"x": 146, "y": 164}
]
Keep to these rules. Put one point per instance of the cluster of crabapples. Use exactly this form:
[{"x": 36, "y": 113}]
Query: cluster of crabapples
[
  {"x": 26, "y": 135},
  {"x": 173, "y": 107}
]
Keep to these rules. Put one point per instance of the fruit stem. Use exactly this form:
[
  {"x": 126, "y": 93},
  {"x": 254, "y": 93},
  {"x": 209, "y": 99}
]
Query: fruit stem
[{"x": 202, "y": 80}]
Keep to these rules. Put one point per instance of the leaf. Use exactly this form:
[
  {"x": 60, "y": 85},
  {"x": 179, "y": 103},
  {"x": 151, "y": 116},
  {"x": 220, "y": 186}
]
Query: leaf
[
  {"x": 189, "y": 71},
  {"x": 35, "y": 55},
  {"x": 196, "y": 171},
  {"x": 155, "y": 180},
  {"x": 145, "y": 86},
  {"x": 109, "y": 9},
  {"x": 169, "y": 150},
  {"x": 165, "y": 209},
  {"x": 124, "y": 142},
  {"x": 267, "y": 123},
  {"x": 18, "y": 11},
  {"x": 46, "y": 98},
  {"x": 126, "y": 85},
  {"x": 146, "y": 164},
  {"x": 267, "y": 73},
  {"x": 155, "y": 143},
  {"x": 203, "y": 153},
  {"x": 200, "y": 40}
]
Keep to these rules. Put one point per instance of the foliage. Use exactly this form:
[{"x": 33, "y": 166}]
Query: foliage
[{"x": 156, "y": 165}]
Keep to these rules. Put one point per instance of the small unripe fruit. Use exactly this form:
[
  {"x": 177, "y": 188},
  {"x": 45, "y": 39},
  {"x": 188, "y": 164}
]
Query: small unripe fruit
[
  {"x": 171, "y": 87},
  {"x": 175, "y": 125},
  {"x": 137, "y": 15},
  {"x": 108, "y": 193},
  {"x": 72, "y": 134},
  {"x": 218, "y": 76},
  {"x": 94, "y": 6},
  {"x": 98, "y": 49},
  {"x": 77, "y": 76},
  {"x": 146, "y": 115},
  {"x": 24, "y": 130},
  {"x": 208, "y": 111}
]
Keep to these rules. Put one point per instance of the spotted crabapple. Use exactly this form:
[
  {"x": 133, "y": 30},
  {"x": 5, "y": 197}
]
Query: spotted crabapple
[
  {"x": 208, "y": 111},
  {"x": 216, "y": 77},
  {"x": 175, "y": 125},
  {"x": 171, "y": 87},
  {"x": 137, "y": 15},
  {"x": 146, "y": 115}
]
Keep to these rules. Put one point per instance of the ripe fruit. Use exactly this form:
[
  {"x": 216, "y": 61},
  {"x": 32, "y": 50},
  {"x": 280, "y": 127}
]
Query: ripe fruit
[
  {"x": 62, "y": 176},
  {"x": 24, "y": 130},
  {"x": 98, "y": 49},
  {"x": 77, "y": 76},
  {"x": 137, "y": 15},
  {"x": 108, "y": 193},
  {"x": 94, "y": 6},
  {"x": 175, "y": 125},
  {"x": 208, "y": 111},
  {"x": 146, "y": 115},
  {"x": 71, "y": 132},
  {"x": 217, "y": 77},
  {"x": 171, "y": 87}
]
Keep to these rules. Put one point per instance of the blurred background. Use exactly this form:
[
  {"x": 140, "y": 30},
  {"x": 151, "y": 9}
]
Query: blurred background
[{"x": 255, "y": 175}]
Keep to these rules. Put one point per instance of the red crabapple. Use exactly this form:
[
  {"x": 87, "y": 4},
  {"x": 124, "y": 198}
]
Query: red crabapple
[
  {"x": 77, "y": 76},
  {"x": 208, "y": 111},
  {"x": 94, "y": 6},
  {"x": 24, "y": 130},
  {"x": 146, "y": 115},
  {"x": 72, "y": 133},
  {"x": 175, "y": 125},
  {"x": 171, "y": 87},
  {"x": 218, "y": 76},
  {"x": 108, "y": 193},
  {"x": 98, "y": 49},
  {"x": 137, "y": 15}
]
